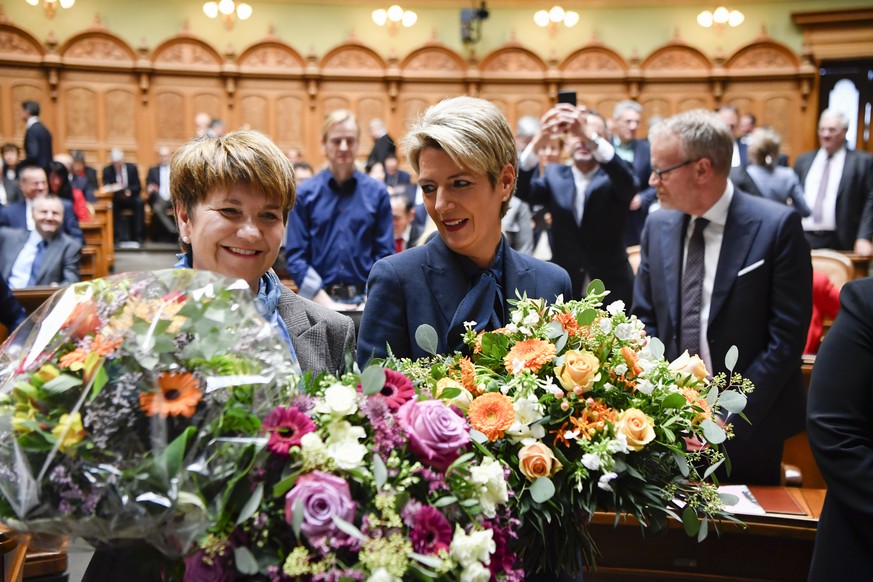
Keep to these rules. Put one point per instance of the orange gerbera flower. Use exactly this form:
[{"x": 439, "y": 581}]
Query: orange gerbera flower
[
  {"x": 534, "y": 353},
  {"x": 491, "y": 414},
  {"x": 568, "y": 323},
  {"x": 69, "y": 359},
  {"x": 104, "y": 346},
  {"x": 177, "y": 395}
]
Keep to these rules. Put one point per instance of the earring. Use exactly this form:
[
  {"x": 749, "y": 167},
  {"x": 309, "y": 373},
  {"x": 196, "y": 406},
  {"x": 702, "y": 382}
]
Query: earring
[{"x": 186, "y": 240}]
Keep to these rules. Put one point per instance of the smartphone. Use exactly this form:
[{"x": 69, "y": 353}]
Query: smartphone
[{"x": 567, "y": 97}]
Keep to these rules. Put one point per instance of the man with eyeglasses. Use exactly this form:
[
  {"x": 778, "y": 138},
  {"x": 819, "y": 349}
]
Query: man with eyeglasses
[
  {"x": 721, "y": 268},
  {"x": 838, "y": 183}
]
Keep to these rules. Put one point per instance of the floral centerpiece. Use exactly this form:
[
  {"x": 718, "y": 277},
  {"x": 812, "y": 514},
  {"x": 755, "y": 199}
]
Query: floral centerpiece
[
  {"x": 130, "y": 406},
  {"x": 362, "y": 480},
  {"x": 588, "y": 415}
]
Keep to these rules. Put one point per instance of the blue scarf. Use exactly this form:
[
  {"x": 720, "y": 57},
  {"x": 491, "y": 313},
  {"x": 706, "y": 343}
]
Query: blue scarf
[{"x": 267, "y": 301}]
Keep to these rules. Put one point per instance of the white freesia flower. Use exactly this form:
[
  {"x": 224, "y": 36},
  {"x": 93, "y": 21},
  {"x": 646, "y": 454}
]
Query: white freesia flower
[
  {"x": 591, "y": 461},
  {"x": 516, "y": 316},
  {"x": 511, "y": 328},
  {"x": 603, "y": 483},
  {"x": 525, "y": 330},
  {"x": 605, "y": 325},
  {"x": 343, "y": 446},
  {"x": 559, "y": 300},
  {"x": 615, "y": 307},
  {"x": 527, "y": 411},
  {"x": 618, "y": 444},
  {"x": 489, "y": 475},
  {"x": 339, "y": 400},
  {"x": 532, "y": 319},
  {"x": 621, "y": 369},
  {"x": 645, "y": 387},
  {"x": 382, "y": 575},
  {"x": 475, "y": 572},
  {"x": 625, "y": 331},
  {"x": 475, "y": 547}
]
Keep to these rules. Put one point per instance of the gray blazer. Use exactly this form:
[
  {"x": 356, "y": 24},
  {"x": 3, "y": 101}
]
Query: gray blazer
[
  {"x": 59, "y": 265},
  {"x": 321, "y": 337}
]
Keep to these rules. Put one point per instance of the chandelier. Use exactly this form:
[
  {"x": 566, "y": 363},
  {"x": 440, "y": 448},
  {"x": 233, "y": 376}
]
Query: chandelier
[
  {"x": 228, "y": 10},
  {"x": 51, "y": 6}
]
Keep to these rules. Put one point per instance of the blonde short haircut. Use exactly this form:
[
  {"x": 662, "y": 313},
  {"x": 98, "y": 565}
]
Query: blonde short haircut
[
  {"x": 338, "y": 116},
  {"x": 250, "y": 158},
  {"x": 473, "y": 132}
]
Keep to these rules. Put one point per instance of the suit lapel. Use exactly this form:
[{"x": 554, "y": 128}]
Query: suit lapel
[
  {"x": 305, "y": 334},
  {"x": 672, "y": 239},
  {"x": 739, "y": 233},
  {"x": 445, "y": 280}
]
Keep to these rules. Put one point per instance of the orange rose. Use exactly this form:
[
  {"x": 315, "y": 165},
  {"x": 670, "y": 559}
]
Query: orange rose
[
  {"x": 637, "y": 427},
  {"x": 580, "y": 368},
  {"x": 462, "y": 400},
  {"x": 536, "y": 460},
  {"x": 689, "y": 365}
]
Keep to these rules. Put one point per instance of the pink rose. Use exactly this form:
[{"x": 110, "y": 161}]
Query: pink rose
[
  {"x": 322, "y": 496},
  {"x": 436, "y": 434}
]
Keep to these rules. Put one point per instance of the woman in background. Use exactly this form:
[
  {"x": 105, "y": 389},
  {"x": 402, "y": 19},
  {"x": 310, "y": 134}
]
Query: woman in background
[{"x": 59, "y": 185}]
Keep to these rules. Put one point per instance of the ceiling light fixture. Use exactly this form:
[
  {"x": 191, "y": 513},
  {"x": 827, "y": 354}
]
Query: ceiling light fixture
[{"x": 228, "y": 10}]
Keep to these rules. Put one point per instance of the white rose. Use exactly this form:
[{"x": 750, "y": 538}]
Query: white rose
[
  {"x": 343, "y": 446},
  {"x": 476, "y": 547},
  {"x": 311, "y": 442},
  {"x": 339, "y": 400},
  {"x": 621, "y": 369},
  {"x": 475, "y": 572},
  {"x": 489, "y": 474}
]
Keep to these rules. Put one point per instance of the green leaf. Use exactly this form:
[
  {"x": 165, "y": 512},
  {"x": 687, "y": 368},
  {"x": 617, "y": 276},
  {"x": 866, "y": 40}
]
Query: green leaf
[
  {"x": 554, "y": 330},
  {"x": 478, "y": 436},
  {"x": 713, "y": 433},
  {"x": 730, "y": 358},
  {"x": 297, "y": 517},
  {"x": 61, "y": 384},
  {"x": 170, "y": 460},
  {"x": 542, "y": 489},
  {"x": 251, "y": 505},
  {"x": 426, "y": 338},
  {"x": 729, "y": 498},
  {"x": 690, "y": 521},
  {"x": 596, "y": 287},
  {"x": 380, "y": 471},
  {"x": 101, "y": 378},
  {"x": 711, "y": 469},
  {"x": 682, "y": 463},
  {"x": 283, "y": 486},
  {"x": 732, "y": 401},
  {"x": 429, "y": 561},
  {"x": 443, "y": 501},
  {"x": 712, "y": 397},
  {"x": 656, "y": 347},
  {"x": 373, "y": 380},
  {"x": 704, "y": 529},
  {"x": 245, "y": 561},
  {"x": 559, "y": 346},
  {"x": 449, "y": 393},
  {"x": 587, "y": 317},
  {"x": 348, "y": 528},
  {"x": 675, "y": 400}
]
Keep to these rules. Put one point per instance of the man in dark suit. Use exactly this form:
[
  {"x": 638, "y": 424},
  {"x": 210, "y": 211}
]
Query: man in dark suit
[
  {"x": 123, "y": 177},
  {"x": 406, "y": 231},
  {"x": 383, "y": 145},
  {"x": 721, "y": 268},
  {"x": 43, "y": 256},
  {"x": 33, "y": 184},
  {"x": 626, "y": 118},
  {"x": 37, "y": 138},
  {"x": 838, "y": 183},
  {"x": 158, "y": 186},
  {"x": 589, "y": 200}
]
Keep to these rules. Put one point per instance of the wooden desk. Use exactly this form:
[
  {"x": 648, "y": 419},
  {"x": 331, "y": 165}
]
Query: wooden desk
[
  {"x": 771, "y": 547},
  {"x": 861, "y": 265},
  {"x": 32, "y": 297}
]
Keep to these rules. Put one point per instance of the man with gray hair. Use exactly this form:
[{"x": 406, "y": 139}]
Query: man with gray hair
[
  {"x": 838, "y": 183},
  {"x": 635, "y": 151},
  {"x": 122, "y": 179},
  {"x": 721, "y": 268}
]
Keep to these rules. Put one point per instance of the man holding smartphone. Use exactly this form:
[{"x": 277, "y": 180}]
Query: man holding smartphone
[{"x": 589, "y": 198}]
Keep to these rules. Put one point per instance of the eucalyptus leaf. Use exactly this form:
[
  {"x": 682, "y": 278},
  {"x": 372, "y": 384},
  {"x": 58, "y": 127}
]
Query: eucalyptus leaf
[
  {"x": 61, "y": 384},
  {"x": 373, "y": 380},
  {"x": 690, "y": 521},
  {"x": 559, "y": 345},
  {"x": 675, "y": 400},
  {"x": 426, "y": 338},
  {"x": 732, "y": 401},
  {"x": 682, "y": 463},
  {"x": 380, "y": 471},
  {"x": 711, "y": 469},
  {"x": 348, "y": 528},
  {"x": 443, "y": 501},
  {"x": 703, "y": 531},
  {"x": 656, "y": 348},
  {"x": 729, "y": 499},
  {"x": 713, "y": 433},
  {"x": 297, "y": 517},
  {"x": 587, "y": 317},
  {"x": 245, "y": 561},
  {"x": 478, "y": 436},
  {"x": 554, "y": 330},
  {"x": 730, "y": 358},
  {"x": 542, "y": 489},
  {"x": 596, "y": 287},
  {"x": 251, "y": 505},
  {"x": 712, "y": 397}
]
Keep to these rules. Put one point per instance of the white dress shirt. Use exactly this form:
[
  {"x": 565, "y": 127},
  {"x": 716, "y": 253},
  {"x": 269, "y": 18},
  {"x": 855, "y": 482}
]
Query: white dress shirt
[
  {"x": 19, "y": 276},
  {"x": 811, "y": 188}
]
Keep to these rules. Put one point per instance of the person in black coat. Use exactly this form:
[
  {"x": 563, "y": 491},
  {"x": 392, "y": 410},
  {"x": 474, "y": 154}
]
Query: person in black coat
[
  {"x": 124, "y": 177},
  {"x": 840, "y": 429},
  {"x": 37, "y": 138}
]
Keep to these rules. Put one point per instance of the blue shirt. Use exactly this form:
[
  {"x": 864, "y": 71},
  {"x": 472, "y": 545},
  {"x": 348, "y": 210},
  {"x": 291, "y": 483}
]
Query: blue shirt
[{"x": 337, "y": 231}]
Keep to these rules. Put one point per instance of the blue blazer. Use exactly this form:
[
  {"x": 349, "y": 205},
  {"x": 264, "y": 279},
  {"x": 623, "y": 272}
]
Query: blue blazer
[
  {"x": 426, "y": 284},
  {"x": 596, "y": 247},
  {"x": 642, "y": 169},
  {"x": 15, "y": 216},
  {"x": 764, "y": 311}
]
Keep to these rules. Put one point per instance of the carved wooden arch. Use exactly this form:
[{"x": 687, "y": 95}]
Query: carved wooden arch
[
  {"x": 594, "y": 61},
  {"x": 98, "y": 47},
  {"x": 354, "y": 59},
  {"x": 18, "y": 45},
  {"x": 186, "y": 52},
  {"x": 433, "y": 60},
  {"x": 765, "y": 56},
  {"x": 271, "y": 56},
  {"x": 676, "y": 57},
  {"x": 513, "y": 61}
]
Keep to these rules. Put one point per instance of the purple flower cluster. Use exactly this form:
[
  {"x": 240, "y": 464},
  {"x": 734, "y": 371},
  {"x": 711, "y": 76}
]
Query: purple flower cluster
[{"x": 386, "y": 436}]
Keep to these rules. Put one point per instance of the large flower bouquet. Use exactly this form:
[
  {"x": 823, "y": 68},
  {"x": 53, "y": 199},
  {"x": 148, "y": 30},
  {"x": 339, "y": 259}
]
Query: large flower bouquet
[
  {"x": 130, "y": 406},
  {"x": 363, "y": 480},
  {"x": 589, "y": 415}
]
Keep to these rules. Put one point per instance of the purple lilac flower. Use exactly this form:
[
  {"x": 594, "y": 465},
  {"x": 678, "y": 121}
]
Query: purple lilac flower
[
  {"x": 286, "y": 427},
  {"x": 386, "y": 435},
  {"x": 431, "y": 532}
]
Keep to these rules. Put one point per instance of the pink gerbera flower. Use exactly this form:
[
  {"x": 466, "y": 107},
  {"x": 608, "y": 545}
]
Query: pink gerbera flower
[
  {"x": 286, "y": 427},
  {"x": 431, "y": 531},
  {"x": 397, "y": 389}
]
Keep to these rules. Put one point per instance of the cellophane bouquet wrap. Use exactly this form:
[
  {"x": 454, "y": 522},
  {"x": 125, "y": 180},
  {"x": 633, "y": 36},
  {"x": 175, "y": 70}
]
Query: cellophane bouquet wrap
[
  {"x": 589, "y": 415},
  {"x": 130, "y": 406},
  {"x": 363, "y": 479}
]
